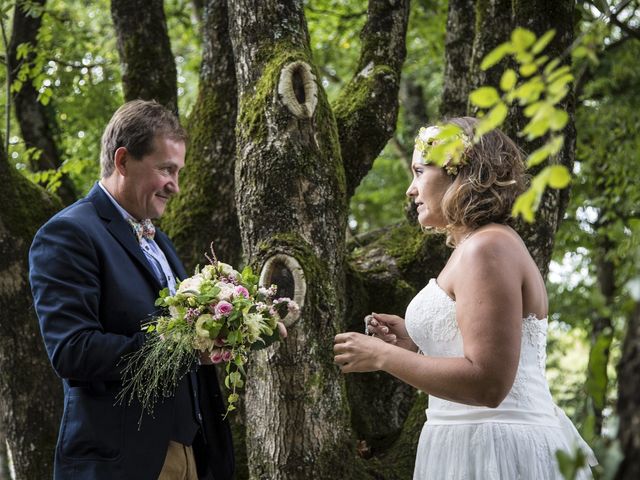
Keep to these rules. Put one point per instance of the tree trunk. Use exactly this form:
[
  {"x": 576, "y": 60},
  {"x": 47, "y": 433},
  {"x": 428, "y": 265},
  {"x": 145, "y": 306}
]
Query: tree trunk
[
  {"x": 367, "y": 108},
  {"x": 148, "y": 66},
  {"x": 205, "y": 211},
  {"x": 30, "y": 393},
  {"x": 629, "y": 400},
  {"x": 457, "y": 58},
  {"x": 540, "y": 16},
  {"x": 291, "y": 199},
  {"x": 37, "y": 124},
  {"x": 4, "y": 458},
  {"x": 494, "y": 22},
  {"x": 291, "y": 192}
]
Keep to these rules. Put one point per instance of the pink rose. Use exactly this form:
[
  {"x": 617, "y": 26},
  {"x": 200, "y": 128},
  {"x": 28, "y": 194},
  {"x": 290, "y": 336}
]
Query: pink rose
[
  {"x": 216, "y": 356},
  {"x": 223, "y": 308},
  {"x": 240, "y": 290},
  {"x": 226, "y": 355}
]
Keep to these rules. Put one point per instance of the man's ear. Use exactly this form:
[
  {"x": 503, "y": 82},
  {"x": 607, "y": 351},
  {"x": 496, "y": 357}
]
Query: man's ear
[{"x": 120, "y": 159}]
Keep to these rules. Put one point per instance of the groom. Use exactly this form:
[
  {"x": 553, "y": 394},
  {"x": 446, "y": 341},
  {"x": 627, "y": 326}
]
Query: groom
[{"x": 96, "y": 269}]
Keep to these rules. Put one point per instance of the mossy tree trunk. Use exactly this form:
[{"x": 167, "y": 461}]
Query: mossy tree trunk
[
  {"x": 148, "y": 66},
  {"x": 30, "y": 393},
  {"x": 37, "y": 123},
  {"x": 629, "y": 399},
  {"x": 296, "y": 164},
  {"x": 205, "y": 211}
]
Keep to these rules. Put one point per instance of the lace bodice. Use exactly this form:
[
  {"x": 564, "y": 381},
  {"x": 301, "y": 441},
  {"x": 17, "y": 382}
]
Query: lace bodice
[{"x": 431, "y": 323}]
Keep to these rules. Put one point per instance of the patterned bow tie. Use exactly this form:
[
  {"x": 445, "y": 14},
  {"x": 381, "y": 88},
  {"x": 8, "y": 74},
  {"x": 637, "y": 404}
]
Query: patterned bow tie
[{"x": 143, "y": 229}]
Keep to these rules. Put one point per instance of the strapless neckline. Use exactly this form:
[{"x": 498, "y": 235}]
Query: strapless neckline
[{"x": 529, "y": 317}]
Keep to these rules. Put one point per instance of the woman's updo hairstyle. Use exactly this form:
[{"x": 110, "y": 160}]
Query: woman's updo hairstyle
[{"x": 488, "y": 180}]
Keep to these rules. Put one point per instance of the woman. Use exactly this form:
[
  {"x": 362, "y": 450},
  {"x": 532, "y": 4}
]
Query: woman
[{"x": 474, "y": 338}]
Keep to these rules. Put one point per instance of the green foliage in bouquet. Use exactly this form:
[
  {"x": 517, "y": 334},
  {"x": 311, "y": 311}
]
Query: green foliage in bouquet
[{"x": 217, "y": 313}]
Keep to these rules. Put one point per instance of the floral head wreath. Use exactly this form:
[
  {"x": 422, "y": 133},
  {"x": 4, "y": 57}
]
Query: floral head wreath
[{"x": 447, "y": 147}]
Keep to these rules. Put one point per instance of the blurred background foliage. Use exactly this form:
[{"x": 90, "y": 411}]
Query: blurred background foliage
[{"x": 595, "y": 268}]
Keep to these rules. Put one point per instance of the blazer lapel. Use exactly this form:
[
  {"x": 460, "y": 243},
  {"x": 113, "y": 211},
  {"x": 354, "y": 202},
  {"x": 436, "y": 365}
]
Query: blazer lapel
[{"x": 121, "y": 230}]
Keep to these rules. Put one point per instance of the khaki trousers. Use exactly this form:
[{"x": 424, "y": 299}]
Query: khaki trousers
[{"x": 179, "y": 464}]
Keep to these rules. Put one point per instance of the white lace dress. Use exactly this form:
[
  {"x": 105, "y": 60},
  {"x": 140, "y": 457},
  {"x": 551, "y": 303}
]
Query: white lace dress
[{"x": 516, "y": 440}]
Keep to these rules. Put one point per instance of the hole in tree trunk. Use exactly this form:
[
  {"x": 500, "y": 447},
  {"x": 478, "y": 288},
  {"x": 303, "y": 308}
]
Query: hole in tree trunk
[
  {"x": 297, "y": 80},
  {"x": 283, "y": 278}
]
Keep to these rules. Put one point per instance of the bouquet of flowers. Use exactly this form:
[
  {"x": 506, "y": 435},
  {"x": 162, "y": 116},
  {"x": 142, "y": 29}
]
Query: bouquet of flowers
[{"x": 219, "y": 311}]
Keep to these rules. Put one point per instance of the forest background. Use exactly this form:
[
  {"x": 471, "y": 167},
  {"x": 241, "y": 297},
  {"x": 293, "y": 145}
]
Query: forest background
[{"x": 67, "y": 69}]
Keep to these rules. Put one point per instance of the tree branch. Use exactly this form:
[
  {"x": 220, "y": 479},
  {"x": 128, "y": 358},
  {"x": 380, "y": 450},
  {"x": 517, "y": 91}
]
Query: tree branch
[{"x": 367, "y": 108}]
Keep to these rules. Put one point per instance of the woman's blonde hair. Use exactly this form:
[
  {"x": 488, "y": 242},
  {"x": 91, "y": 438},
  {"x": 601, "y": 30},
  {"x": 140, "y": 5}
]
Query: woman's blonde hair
[{"x": 487, "y": 183}]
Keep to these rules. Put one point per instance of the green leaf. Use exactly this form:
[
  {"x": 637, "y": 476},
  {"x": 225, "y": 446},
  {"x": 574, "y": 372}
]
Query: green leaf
[
  {"x": 523, "y": 206},
  {"x": 538, "y": 156},
  {"x": 491, "y": 120},
  {"x": 559, "y": 176},
  {"x": 508, "y": 80},
  {"x": 484, "y": 97},
  {"x": 558, "y": 119},
  {"x": 528, "y": 69},
  {"x": 495, "y": 55},
  {"x": 543, "y": 41},
  {"x": 521, "y": 39},
  {"x": 529, "y": 91},
  {"x": 580, "y": 52}
]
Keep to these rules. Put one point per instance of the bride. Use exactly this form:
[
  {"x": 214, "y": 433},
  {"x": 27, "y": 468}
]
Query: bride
[{"x": 474, "y": 338}]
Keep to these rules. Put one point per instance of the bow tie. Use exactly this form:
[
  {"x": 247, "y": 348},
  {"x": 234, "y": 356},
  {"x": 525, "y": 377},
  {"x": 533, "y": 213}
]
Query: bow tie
[{"x": 143, "y": 229}]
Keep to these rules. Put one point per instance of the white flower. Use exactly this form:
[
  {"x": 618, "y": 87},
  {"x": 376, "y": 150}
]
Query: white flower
[
  {"x": 228, "y": 270},
  {"x": 256, "y": 325},
  {"x": 191, "y": 286},
  {"x": 200, "y": 330},
  {"x": 226, "y": 291},
  {"x": 208, "y": 272}
]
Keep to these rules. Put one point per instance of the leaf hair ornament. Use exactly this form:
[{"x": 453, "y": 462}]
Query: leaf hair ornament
[{"x": 446, "y": 146}]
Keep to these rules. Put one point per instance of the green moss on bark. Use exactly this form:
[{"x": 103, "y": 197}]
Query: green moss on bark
[
  {"x": 254, "y": 105},
  {"x": 30, "y": 205}
]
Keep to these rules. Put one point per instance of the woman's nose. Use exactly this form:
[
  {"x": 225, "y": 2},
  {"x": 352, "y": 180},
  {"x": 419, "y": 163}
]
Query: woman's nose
[{"x": 411, "y": 191}]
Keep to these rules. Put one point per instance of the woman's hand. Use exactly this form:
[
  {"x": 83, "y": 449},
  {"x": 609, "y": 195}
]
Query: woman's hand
[
  {"x": 391, "y": 329},
  {"x": 355, "y": 352}
]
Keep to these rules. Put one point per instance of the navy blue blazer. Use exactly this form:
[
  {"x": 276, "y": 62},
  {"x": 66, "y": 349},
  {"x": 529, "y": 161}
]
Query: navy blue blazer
[{"x": 93, "y": 288}]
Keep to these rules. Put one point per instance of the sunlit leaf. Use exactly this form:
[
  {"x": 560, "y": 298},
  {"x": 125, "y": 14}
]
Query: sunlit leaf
[
  {"x": 521, "y": 39},
  {"x": 508, "y": 80},
  {"x": 491, "y": 120},
  {"x": 484, "y": 97},
  {"x": 559, "y": 176},
  {"x": 496, "y": 55},
  {"x": 543, "y": 41}
]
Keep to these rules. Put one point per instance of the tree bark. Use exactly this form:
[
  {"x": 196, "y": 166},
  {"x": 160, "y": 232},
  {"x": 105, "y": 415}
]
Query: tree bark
[
  {"x": 540, "y": 16},
  {"x": 367, "y": 108},
  {"x": 30, "y": 393},
  {"x": 37, "y": 123},
  {"x": 290, "y": 192},
  {"x": 148, "y": 67},
  {"x": 457, "y": 59},
  {"x": 494, "y": 22},
  {"x": 4, "y": 458},
  {"x": 629, "y": 400},
  {"x": 205, "y": 211}
]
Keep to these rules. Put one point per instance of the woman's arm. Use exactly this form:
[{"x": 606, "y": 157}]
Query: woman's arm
[{"x": 488, "y": 289}]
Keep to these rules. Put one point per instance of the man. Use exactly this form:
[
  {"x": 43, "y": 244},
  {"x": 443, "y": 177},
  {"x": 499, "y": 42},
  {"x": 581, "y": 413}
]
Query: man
[{"x": 96, "y": 269}]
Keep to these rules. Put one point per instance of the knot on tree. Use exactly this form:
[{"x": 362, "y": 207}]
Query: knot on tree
[
  {"x": 286, "y": 273},
  {"x": 298, "y": 89}
]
